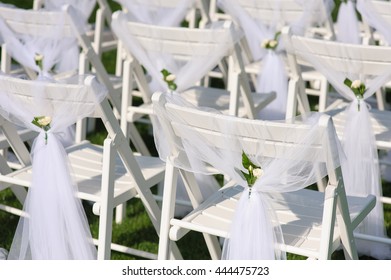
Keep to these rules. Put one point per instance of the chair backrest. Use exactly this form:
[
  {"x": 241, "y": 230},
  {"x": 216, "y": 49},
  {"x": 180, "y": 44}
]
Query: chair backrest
[
  {"x": 284, "y": 12},
  {"x": 275, "y": 136},
  {"x": 192, "y": 52},
  {"x": 33, "y": 24},
  {"x": 194, "y": 11},
  {"x": 86, "y": 7},
  {"x": 90, "y": 57},
  {"x": 54, "y": 94},
  {"x": 376, "y": 20},
  {"x": 371, "y": 61}
]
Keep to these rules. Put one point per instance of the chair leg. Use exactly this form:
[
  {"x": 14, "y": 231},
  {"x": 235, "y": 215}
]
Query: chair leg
[
  {"x": 323, "y": 94},
  {"x": 380, "y": 99},
  {"x": 214, "y": 247},
  {"x": 168, "y": 208},
  {"x": 106, "y": 206},
  {"x": 120, "y": 212}
]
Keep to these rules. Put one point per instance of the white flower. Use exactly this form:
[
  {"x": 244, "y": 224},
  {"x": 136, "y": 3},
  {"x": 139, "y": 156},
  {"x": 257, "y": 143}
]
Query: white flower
[
  {"x": 38, "y": 57},
  {"x": 265, "y": 43},
  {"x": 356, "y": 84},
  {"x": 273, "y": 44},
  {"x": 258, "y": 172},
  {"x": 44, "y": 121},
  {"x": 39, "y": 60},
  {"x": 170, "y": 78}
]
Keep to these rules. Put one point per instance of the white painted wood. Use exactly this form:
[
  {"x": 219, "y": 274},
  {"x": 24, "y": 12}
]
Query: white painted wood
[
  {"x": 314, "y": 223},
  {"x": 185, "y": 43},
  {"x": 375, "y": 61},
  {"x": 105, "y": 210},
  {"x": 291, "y": 11}
]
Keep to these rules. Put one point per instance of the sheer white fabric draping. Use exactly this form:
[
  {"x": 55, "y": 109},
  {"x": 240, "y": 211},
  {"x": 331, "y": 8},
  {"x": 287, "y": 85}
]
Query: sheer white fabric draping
[
  {"x": 272, "y": 75},
  {"x": 59, "y": 49},
  {"x": 85, "y": 7},
  {"x": 55, "y": 225},
  {"x": 375, "y": 19},
  {"x": 361, "y": 169},
  {"x": 347, "y": 25},
  {"x": 157, "y": 12},
  {"x": 255, "y": 231},
  {"x": 189, "y": 71}
]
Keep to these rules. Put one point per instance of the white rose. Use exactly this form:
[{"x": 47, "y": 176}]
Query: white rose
[
  {"x": 38, "y": 57},
  {"x": 258, "y": 172},
  {"x": 265, "y": 43},
  {"x": 44, "y": 121},
  {"x": 356, "y": 84},
  {"x": 273, "y": 43},
  {"x": 170, "y": 78}
]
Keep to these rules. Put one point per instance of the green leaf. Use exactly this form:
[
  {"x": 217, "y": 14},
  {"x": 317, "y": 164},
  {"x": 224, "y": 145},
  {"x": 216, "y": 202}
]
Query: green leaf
[
  {"x": 165, "y": 72},
  {"x": 35, "y": 122},
  {"x": 347, "y": 82},
  {"x": 277, "y": 35},
  {"x": 362, "y": 89},
  {"x": 172, "y": 86},
  {"x": 245, "y": 160},
  {"x": 246, "y": 176}
]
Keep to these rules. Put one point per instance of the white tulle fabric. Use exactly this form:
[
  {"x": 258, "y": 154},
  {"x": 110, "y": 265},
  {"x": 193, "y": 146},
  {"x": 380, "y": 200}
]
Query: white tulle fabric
[
  {"x": 361, "y": 169},
  {"x": 272, "y": 75},
  {"x": 55, "y": 225},
  {"x": 188, "y": 72},
  {"x": 255, "y": 231},
  {"x": 374, "y": 19},
  {"x": 85, "y": 7},
  {"x": 347, "y": 25},
  {"x": 60, "y": 50},
  {"x": 157, "y": 12}
]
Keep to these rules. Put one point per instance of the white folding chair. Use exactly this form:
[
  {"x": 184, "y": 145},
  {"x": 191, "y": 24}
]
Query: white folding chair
[
  {"x": 49, "y": 33},
  {"x": 376, "y": 18},
  {"x": 107, "y": 176},
  {"x": 168, "y": 13},
  {"x": 362, "y": 129},
  {"x": 189, "y": 54},
  {"x": 313, "y": 224},
  {"x": 91, "y": 62},
  {"x": 194, "y": 13},
  {"x": 261, "y": 21},
  {"x": 28, "y": 32},
  {"x": 99, "y": 33}
]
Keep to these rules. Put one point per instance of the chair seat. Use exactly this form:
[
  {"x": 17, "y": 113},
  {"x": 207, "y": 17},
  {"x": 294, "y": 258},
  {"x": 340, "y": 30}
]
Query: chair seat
[
  {"x": 25, "y": 135},
  {"x": 299, "y": 213},
  {"x": 381, "y": 124},
  {"x": 86, "y": 164},
  {"x": 216, "y": 98}
]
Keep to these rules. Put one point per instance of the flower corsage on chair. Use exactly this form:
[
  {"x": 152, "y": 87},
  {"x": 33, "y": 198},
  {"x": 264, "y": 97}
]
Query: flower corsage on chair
[
  {"x": 358, "y": 88},
  {"x": 254, "y": 172}
]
